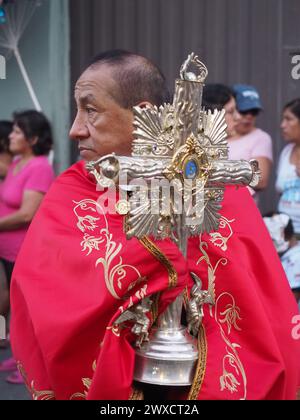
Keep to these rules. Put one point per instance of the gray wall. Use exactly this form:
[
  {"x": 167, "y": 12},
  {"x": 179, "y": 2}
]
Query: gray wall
[
  {"x": 44, "y": 48},
  {"x": 247, "y": 41}
]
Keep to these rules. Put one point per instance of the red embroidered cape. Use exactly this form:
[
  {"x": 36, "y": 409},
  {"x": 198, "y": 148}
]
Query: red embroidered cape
[
  {"x": 251, "y": 339},
  {"x": 76, "y": 274}
]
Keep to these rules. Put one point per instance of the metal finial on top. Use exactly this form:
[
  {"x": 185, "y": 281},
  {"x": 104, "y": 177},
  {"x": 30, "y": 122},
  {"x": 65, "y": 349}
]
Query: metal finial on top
[{"x": 190, "y": 76}]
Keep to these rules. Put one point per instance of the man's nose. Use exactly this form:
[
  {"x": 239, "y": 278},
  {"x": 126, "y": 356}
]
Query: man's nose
[{"x": 79, "y": 130}]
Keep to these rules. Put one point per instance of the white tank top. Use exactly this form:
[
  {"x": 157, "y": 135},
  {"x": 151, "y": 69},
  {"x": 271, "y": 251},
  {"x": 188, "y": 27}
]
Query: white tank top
[{"x": 288, "y": 184}]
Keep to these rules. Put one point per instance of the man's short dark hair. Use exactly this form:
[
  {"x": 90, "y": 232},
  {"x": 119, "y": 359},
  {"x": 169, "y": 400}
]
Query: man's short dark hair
[
  {"x": 138, "y": 79},
  {"x": 216, "y": 96}
]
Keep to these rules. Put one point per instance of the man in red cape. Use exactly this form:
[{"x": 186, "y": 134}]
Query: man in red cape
[{"x": 77, "y": 273}]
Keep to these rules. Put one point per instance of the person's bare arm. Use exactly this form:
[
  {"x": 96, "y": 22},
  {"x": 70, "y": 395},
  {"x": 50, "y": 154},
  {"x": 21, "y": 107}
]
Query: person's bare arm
[
  {"x": 23, "y": 216},
  {"x": 265, "y": 166}
]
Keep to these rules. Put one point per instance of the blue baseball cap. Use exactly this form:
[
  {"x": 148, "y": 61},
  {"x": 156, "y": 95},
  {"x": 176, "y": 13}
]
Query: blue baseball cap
[{"x": 246, "y": 97}]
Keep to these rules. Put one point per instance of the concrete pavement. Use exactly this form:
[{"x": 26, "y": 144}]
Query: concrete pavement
[{"x": 8, "y": 391}]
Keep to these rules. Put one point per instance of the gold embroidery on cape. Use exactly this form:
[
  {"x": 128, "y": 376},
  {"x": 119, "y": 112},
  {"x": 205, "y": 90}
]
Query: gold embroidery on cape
[
  {"x": 217, "y": 238},
  {"x": 87, "y": 382},
  {"x": 114, "y": 269},
  {"x": 211, "y": 270},
  {"x": 115, "y": 329},
  {"x": 232, "y": 367},
  {"x": 231, "y": 315},
  {"x": 228, "y": 380},
  {"x": 201, "y": 365},
  {"x": 36, "y": 395},
  {"x": 159, "y": 255}
]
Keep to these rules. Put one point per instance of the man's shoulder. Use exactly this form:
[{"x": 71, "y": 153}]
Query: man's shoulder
[
  {"x": 73, "y": 178},
  {"x": 75, "y": 172}
]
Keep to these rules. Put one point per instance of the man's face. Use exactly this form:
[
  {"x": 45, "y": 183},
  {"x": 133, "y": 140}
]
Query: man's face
[{"x": 101, "y": 125}]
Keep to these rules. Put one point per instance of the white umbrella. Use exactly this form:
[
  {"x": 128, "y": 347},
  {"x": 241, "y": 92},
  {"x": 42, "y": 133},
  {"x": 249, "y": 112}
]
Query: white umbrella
[{"x": 16, "y": 17}]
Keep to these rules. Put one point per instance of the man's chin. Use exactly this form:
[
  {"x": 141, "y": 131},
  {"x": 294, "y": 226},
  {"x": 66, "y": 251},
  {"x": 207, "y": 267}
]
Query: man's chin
[{"x": 88, "y": 155}]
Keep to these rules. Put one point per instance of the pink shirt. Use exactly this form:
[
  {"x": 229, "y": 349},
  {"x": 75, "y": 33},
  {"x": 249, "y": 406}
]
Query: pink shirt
[
  {"x": 256, "y": 144},
  {"x": 37, "y": 175}
]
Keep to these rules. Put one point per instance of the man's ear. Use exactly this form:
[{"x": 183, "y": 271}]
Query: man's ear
[{"x": 145, "y": 104}]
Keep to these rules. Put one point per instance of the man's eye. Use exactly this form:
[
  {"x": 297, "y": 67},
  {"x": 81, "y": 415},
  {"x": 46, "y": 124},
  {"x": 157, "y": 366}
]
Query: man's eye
[{"x": 90, "y": 110}]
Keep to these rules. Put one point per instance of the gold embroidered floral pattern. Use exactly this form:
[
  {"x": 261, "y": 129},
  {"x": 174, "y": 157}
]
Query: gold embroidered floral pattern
[
  {"x": 232, "y": 365},
  {"x": 219, "y": 239},
  {"x": 115, "y": 329},
  {"x": 231, "y": 316},
  {"x": 87, "y": 223},
  {"x": 225, "y": 312},
  {"x": 211, "y": 270},
  {"x": 115, "y": 270},
  {"x": 41, "y": 395},
  {"x": 228, "y": 381},
  {"x": 90, "y": 243},
  {"x": 87, "y": 382},
  {"x": 36, "y": 395}
]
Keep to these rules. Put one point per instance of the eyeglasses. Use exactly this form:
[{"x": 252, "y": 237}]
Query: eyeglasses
[{"x": 253, "y": 112}]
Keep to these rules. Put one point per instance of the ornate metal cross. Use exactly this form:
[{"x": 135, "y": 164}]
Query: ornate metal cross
[
  {"x": 174, "y": 187},
  {"x": 182, "y": 143}
]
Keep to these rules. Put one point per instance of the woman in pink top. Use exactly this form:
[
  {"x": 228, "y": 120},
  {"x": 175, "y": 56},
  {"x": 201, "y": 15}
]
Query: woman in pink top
[
  {"x": 248, "y": 141},
  {"x": 28, "y": 179}
]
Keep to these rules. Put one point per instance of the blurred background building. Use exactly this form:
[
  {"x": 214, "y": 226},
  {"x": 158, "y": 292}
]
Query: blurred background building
[{"x": 241, "y": 41}]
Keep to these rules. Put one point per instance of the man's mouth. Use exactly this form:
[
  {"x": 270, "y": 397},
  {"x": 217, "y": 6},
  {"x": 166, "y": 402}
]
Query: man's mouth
[{"x": 81, "y": 148}]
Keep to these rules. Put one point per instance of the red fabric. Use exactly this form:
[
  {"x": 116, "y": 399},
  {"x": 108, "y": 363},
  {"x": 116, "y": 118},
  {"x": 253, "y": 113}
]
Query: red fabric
[
  {"x": 255, "y": 355},
  {"x": 62, "y": 305}
]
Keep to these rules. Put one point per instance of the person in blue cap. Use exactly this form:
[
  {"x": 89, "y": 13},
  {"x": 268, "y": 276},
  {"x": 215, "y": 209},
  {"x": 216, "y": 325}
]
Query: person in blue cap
[{"x": 248, "y": 141}]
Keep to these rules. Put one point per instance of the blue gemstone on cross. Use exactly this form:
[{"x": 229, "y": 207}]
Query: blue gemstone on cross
[{"x": 191, "y": 169}]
